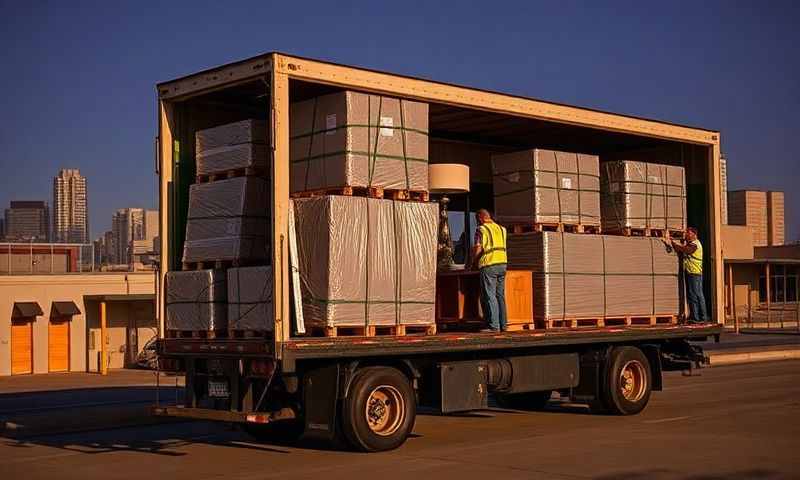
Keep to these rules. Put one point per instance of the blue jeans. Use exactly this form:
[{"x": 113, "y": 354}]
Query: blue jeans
[
  {"x": 695, "y": 297},
  {"x": 493, "y": 295}
]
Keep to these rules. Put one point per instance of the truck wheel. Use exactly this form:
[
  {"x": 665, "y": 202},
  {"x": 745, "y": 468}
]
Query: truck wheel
[
  {"x": 524, "y": 401},
  {"x": 379, "y": 411},
  {"x": 627, "y": 383}
]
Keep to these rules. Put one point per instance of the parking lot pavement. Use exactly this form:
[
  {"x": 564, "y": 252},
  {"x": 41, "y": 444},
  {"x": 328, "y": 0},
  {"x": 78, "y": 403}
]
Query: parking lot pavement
[{"x": 732, "y": 422}]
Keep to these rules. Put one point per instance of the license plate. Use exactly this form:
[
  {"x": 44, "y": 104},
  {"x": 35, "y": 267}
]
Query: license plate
[{"x": 218, "y": 389}]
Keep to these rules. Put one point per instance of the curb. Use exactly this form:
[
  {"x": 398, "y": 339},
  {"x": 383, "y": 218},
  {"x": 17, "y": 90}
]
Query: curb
[{"x": 734, "y": 358}]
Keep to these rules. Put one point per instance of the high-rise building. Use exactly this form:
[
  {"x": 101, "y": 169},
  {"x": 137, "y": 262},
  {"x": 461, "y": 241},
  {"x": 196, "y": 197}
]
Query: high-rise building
[
  {"x": 723, "y": 177},
  {"x": 108, "y": 247},
  {"x": 762, "y": 211},
  {"x": 2, "y": 228},
  {"x": 129, "y": 225},
  {"x": 70, "y": 207},
  {"x": 27, "y": 221}
]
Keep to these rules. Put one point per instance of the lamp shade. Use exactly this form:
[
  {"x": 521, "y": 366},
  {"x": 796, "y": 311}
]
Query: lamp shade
[{"x": 448, "y": 178}]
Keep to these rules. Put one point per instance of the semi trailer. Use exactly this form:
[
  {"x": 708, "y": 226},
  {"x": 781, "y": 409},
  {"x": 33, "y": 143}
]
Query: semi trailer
[{"x": 365, "y": 390}]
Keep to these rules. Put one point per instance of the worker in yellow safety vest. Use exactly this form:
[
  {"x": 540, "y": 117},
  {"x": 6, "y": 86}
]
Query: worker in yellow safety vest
[
  {"x": 489, "y": 254},
  {"x": 692, "y": 258}
]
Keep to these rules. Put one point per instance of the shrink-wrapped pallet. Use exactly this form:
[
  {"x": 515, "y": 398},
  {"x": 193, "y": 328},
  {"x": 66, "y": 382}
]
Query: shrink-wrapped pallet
[
  {"x": 250, "y": 298},
  {"x": 228, "y": 220},
  {"x": 365, "y": 261},
  {"x": 642, "y": 195},
  {"x": 592, "y": 276},
  {"x": 232, "y": 146},
  {"x": 358, "y": 140},
  {"x": 546, "y": 186},
  {"x": 195, "y": 300}
]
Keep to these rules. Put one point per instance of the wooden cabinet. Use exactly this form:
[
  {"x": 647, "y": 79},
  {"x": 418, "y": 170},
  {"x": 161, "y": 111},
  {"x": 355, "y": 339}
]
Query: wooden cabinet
[{"x": 458, "y": 300}]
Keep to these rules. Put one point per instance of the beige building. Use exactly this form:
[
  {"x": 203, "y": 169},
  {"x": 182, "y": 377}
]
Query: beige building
[
  {"x": 762, "y": 283},
  {"x": 52, "y": 322},
  {"x": 762, "y": 211},
  {"x": 70, "y": 207}
]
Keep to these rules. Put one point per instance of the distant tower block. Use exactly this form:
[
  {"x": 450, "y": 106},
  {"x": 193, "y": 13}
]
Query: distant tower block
[{"x": 70, "y": 207}]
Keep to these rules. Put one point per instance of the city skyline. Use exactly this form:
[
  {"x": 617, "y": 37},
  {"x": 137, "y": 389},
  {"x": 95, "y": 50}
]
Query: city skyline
[{"x": 657, "y": 72}]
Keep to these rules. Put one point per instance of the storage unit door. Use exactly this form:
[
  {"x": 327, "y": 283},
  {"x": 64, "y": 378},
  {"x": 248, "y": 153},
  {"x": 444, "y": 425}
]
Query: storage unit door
[
  {"x": 21, "y": 347},
  {"x": 58, "y": 345}
]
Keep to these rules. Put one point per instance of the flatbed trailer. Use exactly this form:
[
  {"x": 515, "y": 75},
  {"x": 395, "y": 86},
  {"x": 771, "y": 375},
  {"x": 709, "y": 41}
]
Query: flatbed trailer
[{"x": 365, "y": 390}]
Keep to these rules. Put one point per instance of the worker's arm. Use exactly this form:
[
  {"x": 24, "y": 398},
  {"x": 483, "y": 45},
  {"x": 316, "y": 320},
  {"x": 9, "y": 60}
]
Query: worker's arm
[
  {"x": 477, "y": 248},
  {"x": 687, "y": 249},
  {"x": 476, "y": 254}
]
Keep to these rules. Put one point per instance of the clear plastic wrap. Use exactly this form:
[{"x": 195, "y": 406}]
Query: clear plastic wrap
[
  {"x": 228, "y": 220},
  {"x": 546, "y": 186},
  {"x": 597, "y": 275},
  {"x": 196, "y": 300},
  {"x": 643, "y": 195},
  {"x": 250, "y": 298},
  {"x": 359, "y": 140},
  {"x": 366, "y": 261},
  {"x": 232, "y": 146}
]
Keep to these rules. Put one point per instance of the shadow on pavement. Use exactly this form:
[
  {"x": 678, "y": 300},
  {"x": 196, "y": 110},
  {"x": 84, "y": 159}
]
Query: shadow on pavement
[
  {"x": 166, "y": 440},
  {"x": 656, "y": 474}
]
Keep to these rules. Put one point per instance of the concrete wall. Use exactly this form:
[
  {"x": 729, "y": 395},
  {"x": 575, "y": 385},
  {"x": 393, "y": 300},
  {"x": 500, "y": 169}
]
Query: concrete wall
[
  {"x": 45, "y": 289},
  {"x": 737, "y": 242},
  {"x": 125, "y": 319},
  {"x": 779, "y": 252}
]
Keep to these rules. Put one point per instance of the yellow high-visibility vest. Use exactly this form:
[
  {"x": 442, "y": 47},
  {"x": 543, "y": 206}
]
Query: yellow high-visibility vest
[
  {"x": 493, "y": 243},
  {"x": 693, "y": 262}
]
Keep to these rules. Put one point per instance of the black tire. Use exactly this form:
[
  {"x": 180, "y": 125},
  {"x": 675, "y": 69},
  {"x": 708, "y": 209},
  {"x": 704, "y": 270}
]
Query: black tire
[
  {"x": 627, "y": 382},
  {"x": 385, "y": 424},
  {"x": 524, "y": 401}
]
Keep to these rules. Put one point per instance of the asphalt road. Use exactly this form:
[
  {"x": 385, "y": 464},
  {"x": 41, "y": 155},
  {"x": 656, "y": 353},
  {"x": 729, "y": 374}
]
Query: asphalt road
[{"x": 730, "y": 422}]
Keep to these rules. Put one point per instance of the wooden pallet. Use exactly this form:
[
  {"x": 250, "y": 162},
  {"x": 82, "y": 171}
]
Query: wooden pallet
[
  {"x": 647, "y": 232},
  {"x": 209, "y": 334},
  {"x": 610, "y": 321},
  {"x": 373, "y": 331},
  {"x": 518, "y": 327},
  {"x": 217, "y": 264},
  {"x": 369, "y": 192},
  {"x": 236, "y": 333},
  {"x": 555, "y": 227},
  {"x": 237, "y": 172}
]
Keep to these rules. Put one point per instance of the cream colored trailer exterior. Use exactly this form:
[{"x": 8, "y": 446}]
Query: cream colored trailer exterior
[{"x": 277, "y": 70}]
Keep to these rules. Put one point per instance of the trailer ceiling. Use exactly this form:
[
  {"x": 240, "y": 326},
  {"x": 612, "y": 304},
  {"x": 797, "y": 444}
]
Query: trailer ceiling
[{"x": 504, "y": 130}]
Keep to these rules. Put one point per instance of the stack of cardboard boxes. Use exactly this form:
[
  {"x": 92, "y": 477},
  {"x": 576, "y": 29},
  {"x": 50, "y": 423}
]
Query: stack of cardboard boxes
[
  {"x": 228, "y": 224},
  {"x": 362, "y": 261}
]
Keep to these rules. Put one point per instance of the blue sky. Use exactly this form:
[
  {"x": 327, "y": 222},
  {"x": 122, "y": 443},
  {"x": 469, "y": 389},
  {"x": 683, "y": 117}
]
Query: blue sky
[{"x": 77, "y": 81}]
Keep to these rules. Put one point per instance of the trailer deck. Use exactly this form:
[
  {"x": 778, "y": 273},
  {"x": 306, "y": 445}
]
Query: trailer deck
[{"x": 310, "y": 348}]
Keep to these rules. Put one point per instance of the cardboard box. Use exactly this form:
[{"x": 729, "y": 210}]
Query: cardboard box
[
  {"x": 359, "y": 140},
  {"x": 196, "y": 300},
  {"x": 232, "y": 146},
  {"x": 592, "y": 276},
  {"x": 546, "y": 186},
  {"x": 250, "y": 298},
  {"x": 642, "y": 195},
  {"x": 228, "y": 221},
  {"x": 365, "y": 261}
]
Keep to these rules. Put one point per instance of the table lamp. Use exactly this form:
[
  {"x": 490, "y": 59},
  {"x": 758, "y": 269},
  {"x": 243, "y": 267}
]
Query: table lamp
[{"x": 444, "y": 179}]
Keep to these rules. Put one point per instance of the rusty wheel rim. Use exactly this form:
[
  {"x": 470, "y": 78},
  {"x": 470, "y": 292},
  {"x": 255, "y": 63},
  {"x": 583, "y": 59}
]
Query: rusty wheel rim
[
  {"x": 633, "y": 381},
  {"x": 385, "y": 410}
]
